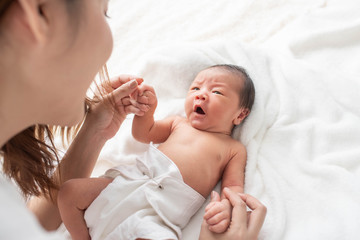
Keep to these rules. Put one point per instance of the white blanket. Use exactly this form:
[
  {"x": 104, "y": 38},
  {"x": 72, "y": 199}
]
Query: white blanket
[{"x": 303, "y": 135}]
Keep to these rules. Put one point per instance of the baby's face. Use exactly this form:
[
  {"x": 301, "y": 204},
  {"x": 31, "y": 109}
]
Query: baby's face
[{"x": 212, "y": 103}]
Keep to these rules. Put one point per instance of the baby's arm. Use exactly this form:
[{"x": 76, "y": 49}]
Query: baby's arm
[
  {"x": 144, "y": 128},
  {"x": 218, "y": 212},
  {"x": 234, "y": 172}
]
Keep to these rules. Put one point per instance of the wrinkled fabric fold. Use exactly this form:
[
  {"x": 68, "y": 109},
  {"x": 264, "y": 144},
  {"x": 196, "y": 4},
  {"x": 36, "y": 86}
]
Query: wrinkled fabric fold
[{"x": 146, "y": 200}]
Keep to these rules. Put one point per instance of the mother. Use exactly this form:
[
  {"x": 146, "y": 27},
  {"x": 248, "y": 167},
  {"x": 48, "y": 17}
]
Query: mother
[{"x": 51, "y": 51}]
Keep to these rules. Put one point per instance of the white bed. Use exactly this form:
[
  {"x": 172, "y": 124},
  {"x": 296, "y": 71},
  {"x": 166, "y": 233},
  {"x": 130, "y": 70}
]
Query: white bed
[{"x": 303, "y": 136}]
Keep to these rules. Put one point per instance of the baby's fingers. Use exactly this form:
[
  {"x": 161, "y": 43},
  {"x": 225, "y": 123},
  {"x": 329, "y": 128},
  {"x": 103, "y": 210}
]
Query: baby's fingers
[
  {"x": 215, "y": 199},
  {"x": 151, "y": 97},
  {"x": 209, "y": 206},
  {"x": 132, "y": 109},
  {"x": 147, "y": 98},
  {"x": 211, "y": 210},
  {"x": 142, "y": 107},
  {"x": 219, "y": 217},
  {"x": 126, "y": 101},
  {"x": 220, "y": 227},
  {"x": 217, "y": 213}
]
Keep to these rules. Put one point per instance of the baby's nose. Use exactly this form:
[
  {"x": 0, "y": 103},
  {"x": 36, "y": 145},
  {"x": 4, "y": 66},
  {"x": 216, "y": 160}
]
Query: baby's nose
[{"x": 200, "y": 96}]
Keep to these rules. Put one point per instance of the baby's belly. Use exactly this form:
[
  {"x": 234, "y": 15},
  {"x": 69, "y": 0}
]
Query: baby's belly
[
  {"x": 199, "y": 174},
  {"x": 200, "y": 181}
]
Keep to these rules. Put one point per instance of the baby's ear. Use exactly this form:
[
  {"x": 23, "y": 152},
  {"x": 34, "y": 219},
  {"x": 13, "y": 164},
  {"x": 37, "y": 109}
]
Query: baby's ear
[{"x": 242, "y": 114}]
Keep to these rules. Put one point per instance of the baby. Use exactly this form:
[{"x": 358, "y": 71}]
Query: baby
[{"x": 156, "y": 198}]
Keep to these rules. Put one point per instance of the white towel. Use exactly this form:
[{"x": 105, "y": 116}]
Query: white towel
[{"x": 303, "y": 135}]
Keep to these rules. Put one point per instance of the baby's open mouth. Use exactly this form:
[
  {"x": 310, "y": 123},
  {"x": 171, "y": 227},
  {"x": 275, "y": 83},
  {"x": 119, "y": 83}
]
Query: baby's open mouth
[{"x": 199, "y": 110}]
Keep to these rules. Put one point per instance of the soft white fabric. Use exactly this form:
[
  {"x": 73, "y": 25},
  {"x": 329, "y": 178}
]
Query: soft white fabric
[
  {"x": 17, "y": 222},
  {"x": 147, "y": 200},
  {"x": 303, "y": 135}
]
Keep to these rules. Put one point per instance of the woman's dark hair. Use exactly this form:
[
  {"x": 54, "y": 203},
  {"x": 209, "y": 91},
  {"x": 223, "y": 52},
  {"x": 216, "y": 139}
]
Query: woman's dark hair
[
  {"x": 30, "y": 159},
  {"x": 4, "y": 5},
  {"x": 247, "y": 95}
]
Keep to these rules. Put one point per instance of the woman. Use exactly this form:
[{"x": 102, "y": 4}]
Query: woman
[{"x": 50, "y": 52}]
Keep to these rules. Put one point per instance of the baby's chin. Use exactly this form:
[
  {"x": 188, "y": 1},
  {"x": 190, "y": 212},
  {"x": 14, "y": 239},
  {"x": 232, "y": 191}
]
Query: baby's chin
[
  {"x": 206, "y": 128},
  {"x": 201, "y": 126},
  {"x": 197, "y": 125}
]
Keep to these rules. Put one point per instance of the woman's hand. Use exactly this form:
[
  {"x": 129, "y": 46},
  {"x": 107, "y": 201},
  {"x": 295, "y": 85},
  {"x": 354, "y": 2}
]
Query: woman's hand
[
  {"x": 104, "y": 118},
  {"x": 244, "y": 225},
  {"x": 101, "y": 123}
]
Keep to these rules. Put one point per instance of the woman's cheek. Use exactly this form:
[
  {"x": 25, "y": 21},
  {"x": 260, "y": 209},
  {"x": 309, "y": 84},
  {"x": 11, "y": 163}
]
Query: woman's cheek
[{"x": 108, "y": 42}]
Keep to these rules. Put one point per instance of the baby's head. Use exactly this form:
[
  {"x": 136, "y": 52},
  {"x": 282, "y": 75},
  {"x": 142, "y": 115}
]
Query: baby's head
[{"x": 219, "y": 98}]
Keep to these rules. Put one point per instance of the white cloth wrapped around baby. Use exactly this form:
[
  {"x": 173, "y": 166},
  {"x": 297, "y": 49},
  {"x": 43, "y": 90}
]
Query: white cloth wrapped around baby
[{"x": 149, "y": 200}]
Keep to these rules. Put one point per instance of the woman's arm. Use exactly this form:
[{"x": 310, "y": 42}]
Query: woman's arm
[{"x": 101, "y": 124}]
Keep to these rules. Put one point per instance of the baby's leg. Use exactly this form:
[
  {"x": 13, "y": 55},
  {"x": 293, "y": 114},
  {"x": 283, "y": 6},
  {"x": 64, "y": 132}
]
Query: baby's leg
[{"x": 75, "y": 196}]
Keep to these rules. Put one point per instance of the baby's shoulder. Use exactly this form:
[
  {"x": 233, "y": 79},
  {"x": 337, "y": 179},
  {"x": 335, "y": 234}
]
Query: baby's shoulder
[
  {"x": 236, "y": 145},
  {"x": 178, "y": 120}
]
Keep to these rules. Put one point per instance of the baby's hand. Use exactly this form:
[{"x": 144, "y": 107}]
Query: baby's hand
[
  {"x": 144, "y": 98},
  {"x": 218, "y": 214},
  {"x": 147, "y": 95}
]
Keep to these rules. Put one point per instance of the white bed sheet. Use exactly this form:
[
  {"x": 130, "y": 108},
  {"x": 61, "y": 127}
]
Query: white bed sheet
[{"x": 303, "y": 135}]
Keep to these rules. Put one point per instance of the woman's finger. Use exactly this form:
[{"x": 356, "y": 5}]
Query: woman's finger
[
  {"x": 258, "y": 214},
  {"x": 135, "y": 95},
  {"x": 124, "y": 90},
  {"x": 143, "y": 99},
  {"x": 131, "y": 109},
  {"x": 239, "y": 214},
  {"x": 121, "y": 79},
  {"x": 125, "y": 101}
]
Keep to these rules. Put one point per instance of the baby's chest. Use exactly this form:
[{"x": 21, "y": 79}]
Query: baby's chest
[
  {"x": 208, "y": 148},
  {"x": 203, "y": 144}
]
